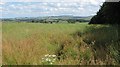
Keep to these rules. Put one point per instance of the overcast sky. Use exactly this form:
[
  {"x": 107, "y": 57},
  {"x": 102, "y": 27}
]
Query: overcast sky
[{"x": 35, "y": 8}]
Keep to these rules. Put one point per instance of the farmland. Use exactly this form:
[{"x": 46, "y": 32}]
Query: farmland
[{"x": 79, "y": 43}]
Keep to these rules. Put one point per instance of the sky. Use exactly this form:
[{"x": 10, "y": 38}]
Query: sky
[{"x": 35, "y": 8}]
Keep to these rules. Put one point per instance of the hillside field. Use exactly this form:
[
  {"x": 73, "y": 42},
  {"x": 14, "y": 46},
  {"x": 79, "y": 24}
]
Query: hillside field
[{"x": 71, "y": 44}]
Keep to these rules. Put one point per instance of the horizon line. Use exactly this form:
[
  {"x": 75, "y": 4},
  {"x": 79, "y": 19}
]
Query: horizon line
[{"x": 42, "y": 16}]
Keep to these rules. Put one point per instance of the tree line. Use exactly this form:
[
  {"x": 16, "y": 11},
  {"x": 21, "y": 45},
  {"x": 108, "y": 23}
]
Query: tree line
[{"x": 47, "y": 20}]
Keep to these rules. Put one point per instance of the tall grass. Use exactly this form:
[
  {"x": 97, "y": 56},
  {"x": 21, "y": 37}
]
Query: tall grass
[
  {"x": 27, "y": 43},
  {"x": 0, "y": 43}
]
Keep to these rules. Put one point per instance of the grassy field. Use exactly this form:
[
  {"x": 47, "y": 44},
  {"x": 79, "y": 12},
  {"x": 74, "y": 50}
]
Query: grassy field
[
  {"x": 0, "y": 43},
  {"x": 80, "y": 43}
]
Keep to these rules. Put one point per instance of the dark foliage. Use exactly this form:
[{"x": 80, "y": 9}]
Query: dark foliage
[{"x": 108, "y": 14}]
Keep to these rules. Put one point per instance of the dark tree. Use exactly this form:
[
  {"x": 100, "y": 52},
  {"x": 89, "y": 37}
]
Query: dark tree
[{"x": 108, "y": 14}]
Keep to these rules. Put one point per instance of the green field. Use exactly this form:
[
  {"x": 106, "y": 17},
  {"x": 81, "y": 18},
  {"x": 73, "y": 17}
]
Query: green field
[{"x": 80, "y": 43}]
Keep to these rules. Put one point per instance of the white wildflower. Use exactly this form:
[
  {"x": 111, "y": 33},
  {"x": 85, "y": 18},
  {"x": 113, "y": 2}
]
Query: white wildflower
[
  {"x": 53, "y": 55},
  {"x": 51, "y": 63},
  {"x": 49, "y": 55},
  {"x": 47, "y": 59},
  {"x": 46, "y": 55}
]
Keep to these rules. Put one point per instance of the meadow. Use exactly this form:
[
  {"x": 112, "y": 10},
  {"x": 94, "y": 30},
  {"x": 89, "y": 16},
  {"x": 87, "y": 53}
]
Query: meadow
[
  {"x": 79, "y": 43},
  {"x": 0, "y": 43}
]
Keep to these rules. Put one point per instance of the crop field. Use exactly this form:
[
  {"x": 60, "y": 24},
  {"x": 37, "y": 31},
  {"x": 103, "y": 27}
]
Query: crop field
[{"x": 59, "y": 44}]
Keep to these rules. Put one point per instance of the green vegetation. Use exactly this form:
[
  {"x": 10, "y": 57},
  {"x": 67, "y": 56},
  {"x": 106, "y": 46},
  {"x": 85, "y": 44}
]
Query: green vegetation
[
  {"x": 109, "y": 13},
  {"x": 80, "y": 43},
  {"x": 0, "y": 43},
  {"x": 49, "y": 19}
]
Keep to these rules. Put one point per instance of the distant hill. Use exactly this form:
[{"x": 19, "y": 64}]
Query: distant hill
[
  {"x": 65, "y": 17},
  {"x": 29, "y": 19}
]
